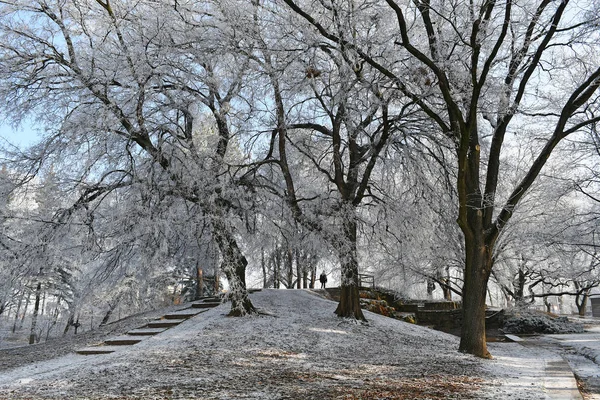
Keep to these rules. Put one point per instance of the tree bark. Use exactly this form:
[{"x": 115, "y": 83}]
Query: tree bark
[
  {"x": 349, "y": 305},
  {"x": 289, "y": 263},
  {"x": 20, "y": 302},
  {"x": 313, "y": 275},
  {"x": 478, "y": 266},
  {"x": 36, "y": 310},
  {"x": 27, "y": 301},
  {"x": 581, "y": 299},
  {"x": 277, "y": 268},
  {"x": 298, "y": 270},
  {"x": 234, "y": 266},
  {"x": 263, "y": 265}
]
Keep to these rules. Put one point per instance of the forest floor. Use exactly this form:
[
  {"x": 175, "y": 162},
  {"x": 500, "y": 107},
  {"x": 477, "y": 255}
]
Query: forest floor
[{"x": 297, "y": 349}]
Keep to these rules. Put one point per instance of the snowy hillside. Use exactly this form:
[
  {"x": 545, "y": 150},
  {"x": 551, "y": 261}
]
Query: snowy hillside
[{"x": 297, "y": 350}]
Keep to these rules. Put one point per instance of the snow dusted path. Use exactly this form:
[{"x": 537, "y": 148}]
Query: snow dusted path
[
  {"x": 532, "y": 369},
  {"x": 582, "y": 351},
  {"x": 298, "y": 350}
]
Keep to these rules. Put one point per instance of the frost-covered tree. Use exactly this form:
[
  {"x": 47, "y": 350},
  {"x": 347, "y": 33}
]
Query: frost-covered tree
[
  {"x": 330, "y": 118},
  {"x": 120, "y": 88},
  {"x": 483, "y": 72}
]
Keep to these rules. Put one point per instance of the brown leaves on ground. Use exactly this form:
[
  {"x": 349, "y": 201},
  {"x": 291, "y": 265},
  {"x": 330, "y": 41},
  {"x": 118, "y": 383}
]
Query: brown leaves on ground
[{"x": 432, "y": 387}]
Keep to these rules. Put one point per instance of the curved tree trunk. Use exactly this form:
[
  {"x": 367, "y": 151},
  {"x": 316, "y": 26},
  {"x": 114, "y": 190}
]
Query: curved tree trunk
[
  {"x": 581, "y": 299},
  {"x": 234, "y": 266}
]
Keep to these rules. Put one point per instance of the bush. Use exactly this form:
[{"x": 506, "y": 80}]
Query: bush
[{"x": 529, "y": 324}]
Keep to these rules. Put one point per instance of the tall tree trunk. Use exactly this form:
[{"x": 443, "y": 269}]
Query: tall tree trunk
[
  {"x": 478, "y": 266},
  {"x": 263, "y": 265},
  {"x": 277, "y": 268},
  {"x": 216, "y": 270},
  {"x": 298, "y": 269},
  {"x": 36, "y": 310},
  {"x": 313, "y": 274},
  {"x": 349, "y": 305},
  {"x": 27, "y": 301},
  {"x": 43, "y": 302},
  {"x": 234, "y": 266},
  {"x": 289, "y": 263},
  {"x": 305, "y": 268},
  {"x": 19, "y": 303}
]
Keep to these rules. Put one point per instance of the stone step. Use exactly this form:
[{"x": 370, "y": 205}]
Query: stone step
[
  {"x": 209, "y": 304},
  {"x": 183, "y": 314},
  {"x": 126, "y": 340},
  {"x": 210, "y": 299},
  {"x": 146, "y": 331},
  {"x": 513, "y": 338},
  {"x": 164, "y": 323},
  {"x": 97, "y": 350}
]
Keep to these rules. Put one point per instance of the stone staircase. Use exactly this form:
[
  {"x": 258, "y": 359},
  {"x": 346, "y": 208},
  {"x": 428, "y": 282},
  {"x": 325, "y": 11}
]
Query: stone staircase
[{"x": 152, "y": 328}]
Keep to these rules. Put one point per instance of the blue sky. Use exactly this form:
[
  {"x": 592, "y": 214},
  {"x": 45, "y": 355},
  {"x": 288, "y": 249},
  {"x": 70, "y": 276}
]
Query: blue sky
[{"x": 23, "y": 136}]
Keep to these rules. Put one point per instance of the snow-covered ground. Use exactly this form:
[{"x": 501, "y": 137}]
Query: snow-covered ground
[{"x": 297, "y": 350}]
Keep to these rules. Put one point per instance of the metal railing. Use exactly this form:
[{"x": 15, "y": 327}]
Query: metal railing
[{"x": 364, "y": 280}]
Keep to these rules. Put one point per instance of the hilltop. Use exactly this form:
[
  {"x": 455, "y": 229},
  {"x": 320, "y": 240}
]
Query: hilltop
[{"x": 297, "y": 349}]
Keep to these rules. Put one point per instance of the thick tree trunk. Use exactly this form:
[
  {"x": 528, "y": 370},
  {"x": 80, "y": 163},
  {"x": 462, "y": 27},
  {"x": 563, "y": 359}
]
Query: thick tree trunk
[
  {"x": 478, "y": 266},
  {"x": 581, "y": 301},
  {"x": 234, "y": 266},
  {"x": 583, "y": 307},
  {"x": 349, "y": 305}
]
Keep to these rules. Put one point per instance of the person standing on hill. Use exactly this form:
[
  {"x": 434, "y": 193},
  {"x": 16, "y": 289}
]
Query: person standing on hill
[{"x": 323, "y": 279}]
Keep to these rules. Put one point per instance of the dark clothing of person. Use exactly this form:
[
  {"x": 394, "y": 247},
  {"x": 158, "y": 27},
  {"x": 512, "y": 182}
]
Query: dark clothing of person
[{"x": 323, "y": 280}]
